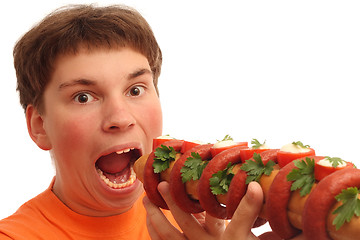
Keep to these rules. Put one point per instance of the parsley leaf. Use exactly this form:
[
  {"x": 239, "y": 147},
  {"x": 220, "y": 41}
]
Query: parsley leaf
[
  {"x": 303, "y": 176},
  {"x": 193, "y": 167},
  {"x": 350, "y": 206},
  {"x": 226, "y": 138},
  {"x": 220, "y": 181},
  {"x": 256, "y": 168},
  {"x": 256, "y": 144},
  {"x": 335, "y": 161},
  {"x": 163, "y": 156},
  {"x": 300, "y": 144}
]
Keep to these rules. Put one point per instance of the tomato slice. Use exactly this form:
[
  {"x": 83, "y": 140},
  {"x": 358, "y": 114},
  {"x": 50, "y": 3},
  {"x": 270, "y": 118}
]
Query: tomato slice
[
  {"x": 217, "y": 150},
  {"x": 188, "y": 145},
  {"x": 247, "y": 153},
  {"x": 286, "y": 157},
  {"x": 159, "y": 141},
  {"x": 322, "y": 171}
]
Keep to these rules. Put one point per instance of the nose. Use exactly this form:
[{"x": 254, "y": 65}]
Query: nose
[{"x": 117, "y": 117}]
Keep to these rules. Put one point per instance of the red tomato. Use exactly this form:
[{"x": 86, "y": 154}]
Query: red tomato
[
  {"x": 286, "y": 157},
  {"x": 215, "y": 151},
  {"x": 248, "y": 153},
  {"x": 321, "y": 171},
  {"x": 188, "y": 145},
  {"x": 158, "y": 141}
]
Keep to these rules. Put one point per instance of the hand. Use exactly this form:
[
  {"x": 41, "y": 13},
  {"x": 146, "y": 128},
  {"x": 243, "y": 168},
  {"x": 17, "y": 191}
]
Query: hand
[
  {"x": 245, "y": 214},
  {"x": 203, "y": 226},
  {"x": 194, "y": 226}
]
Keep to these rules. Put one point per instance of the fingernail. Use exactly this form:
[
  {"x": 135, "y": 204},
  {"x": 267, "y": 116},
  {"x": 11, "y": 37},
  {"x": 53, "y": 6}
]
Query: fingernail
[{"x": 250, "y": 191}]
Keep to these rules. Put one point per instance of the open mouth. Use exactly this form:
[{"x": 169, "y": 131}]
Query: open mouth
[{"x": 116, "y": 169}]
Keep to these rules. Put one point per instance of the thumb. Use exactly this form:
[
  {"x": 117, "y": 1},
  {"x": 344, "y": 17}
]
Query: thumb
[{"x": 246, "y": 214}]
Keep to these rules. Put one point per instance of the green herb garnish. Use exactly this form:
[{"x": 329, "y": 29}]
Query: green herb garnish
[
  {"x": 220, "y": 181},
  {"x": 193, "y": 167},
  {"x": 226, "y": 138},
  {"x": 256, "y": 144},
  {"x": 300, "y": 144},
  {"x": 163, "y": 156},
  {"x": 256, "y": 168},
  {"x": 335, "y": 161},
  {"x": 350, "y": 206},
  {"x": 303, "y": 176}
]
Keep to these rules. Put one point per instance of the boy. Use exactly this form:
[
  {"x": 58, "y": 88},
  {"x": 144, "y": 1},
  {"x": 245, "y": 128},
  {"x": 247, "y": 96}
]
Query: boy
[{"x": 87, "y": 78}]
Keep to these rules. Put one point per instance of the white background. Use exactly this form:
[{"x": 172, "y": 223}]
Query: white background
[{"x": 279, "y": 71}]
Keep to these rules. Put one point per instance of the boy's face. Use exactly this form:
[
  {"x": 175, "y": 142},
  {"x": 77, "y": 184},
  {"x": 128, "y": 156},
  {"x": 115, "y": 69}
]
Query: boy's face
[{"x": 98, "y": 105}]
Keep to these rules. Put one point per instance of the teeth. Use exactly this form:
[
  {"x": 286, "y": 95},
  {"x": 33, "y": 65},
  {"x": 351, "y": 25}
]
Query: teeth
[
  {"x": 130, "y": 181},
  {"x": 125, "y": 151}
]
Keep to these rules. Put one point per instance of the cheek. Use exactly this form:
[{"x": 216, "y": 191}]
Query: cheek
[
  {"x": 153, "y": 123},
  {"x": 155, "y": 120},
  {"x": 71, "y": 135}
]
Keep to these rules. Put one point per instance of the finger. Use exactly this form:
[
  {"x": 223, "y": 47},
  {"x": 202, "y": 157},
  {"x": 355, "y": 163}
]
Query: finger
[
  {"x": 187, "y": 222},
  {"x": 214, "y": 226},
  {"x": 200, "y": 217},
  {"x": 151, "y": 230},
  {"x": 158, "y": 225},
  {"x": 246, "y": 213}
]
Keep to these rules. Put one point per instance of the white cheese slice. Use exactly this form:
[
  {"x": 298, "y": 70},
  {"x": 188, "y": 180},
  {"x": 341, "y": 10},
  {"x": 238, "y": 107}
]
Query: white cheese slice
[
  {"x": 325, "y": 162},
  {"x": 293, "y": 148},
  {"x": 225, "y": 143}
]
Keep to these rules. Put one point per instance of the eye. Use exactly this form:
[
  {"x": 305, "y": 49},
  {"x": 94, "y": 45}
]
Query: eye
[
  {"x": 83, "y": 98},
  {"x": 136, "y": 91}
]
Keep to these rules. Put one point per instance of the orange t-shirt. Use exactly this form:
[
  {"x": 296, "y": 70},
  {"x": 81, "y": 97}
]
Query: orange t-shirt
[{"x": 46, "y": 217}]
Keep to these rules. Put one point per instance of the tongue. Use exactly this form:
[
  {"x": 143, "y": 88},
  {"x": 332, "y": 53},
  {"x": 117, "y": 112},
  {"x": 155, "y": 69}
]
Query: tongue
[
  {"x": 119, "y": 177},
  {"x": 114, "y": 163}
]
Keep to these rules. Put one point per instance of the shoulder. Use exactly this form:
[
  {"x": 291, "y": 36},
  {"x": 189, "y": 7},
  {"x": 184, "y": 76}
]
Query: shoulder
[
  {"x": 18, "y": 225},
  {"x": 27, "y": 221}
]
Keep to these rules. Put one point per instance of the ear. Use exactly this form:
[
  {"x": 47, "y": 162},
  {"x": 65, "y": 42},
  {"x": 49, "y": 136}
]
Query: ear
[{"x": 35, "y": 125}]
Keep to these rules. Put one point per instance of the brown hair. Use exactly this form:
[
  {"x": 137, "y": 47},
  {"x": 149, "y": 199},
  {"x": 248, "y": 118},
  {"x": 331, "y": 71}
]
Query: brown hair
[{"x": 66, "y": 30}]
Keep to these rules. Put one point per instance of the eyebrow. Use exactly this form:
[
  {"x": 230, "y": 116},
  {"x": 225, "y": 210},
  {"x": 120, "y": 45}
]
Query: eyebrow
[
  {"x": 138, "y": 73},
  {"x": 87, "y": 82}
]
